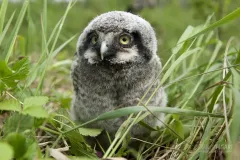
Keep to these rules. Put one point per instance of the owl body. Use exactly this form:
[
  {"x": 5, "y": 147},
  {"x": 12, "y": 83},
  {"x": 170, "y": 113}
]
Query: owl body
[{"x": 116, "y": 62}]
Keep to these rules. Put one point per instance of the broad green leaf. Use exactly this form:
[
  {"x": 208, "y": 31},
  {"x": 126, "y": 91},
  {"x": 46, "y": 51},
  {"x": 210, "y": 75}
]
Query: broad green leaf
[
  {"x": 36, "y": 111},
  {"x": 6, "y": 72},
  {"x": 18, "y": 123},
  {"x": 79, "y": 146},
  {"x": 33, "y": 106},
  {"x": 10, "y": 105},
  {"x": 2, "y": 87},
  {"x": 176, "y": 129},
  {"x": 4, "y": 69},
  {"x": 6, "y": 151},
  {"x": 33, "y": 151},
  {"x": 10, "y": 77},
  {"x": 177, "y": 126},
  {"x": 18, "y": 142},
  {"x": 65, "y": 102},
  {"x": 35, "y": 101},
  {"x": 92, "y": 132},
  {"x": 21, "y": 69}
]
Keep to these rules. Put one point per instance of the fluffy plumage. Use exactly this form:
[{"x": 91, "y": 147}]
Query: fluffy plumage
[{"x": 109, "y": 73}]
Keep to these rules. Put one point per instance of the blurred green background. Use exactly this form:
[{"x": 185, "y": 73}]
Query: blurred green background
[
  {"x": 194, "y": 78},
  {"x": 168, "y": 17}
]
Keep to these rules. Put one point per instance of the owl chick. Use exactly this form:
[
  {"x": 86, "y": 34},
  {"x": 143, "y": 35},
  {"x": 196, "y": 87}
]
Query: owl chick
[{"x": 116, "y": 62}]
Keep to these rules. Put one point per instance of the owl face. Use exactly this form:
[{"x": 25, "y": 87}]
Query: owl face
[
  {"x": 117, "y": 38},
  {"x": 115, "y": 47}
]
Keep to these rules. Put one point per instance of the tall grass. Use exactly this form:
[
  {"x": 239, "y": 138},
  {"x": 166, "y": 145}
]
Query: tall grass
[{"x": 201, "y": 77}]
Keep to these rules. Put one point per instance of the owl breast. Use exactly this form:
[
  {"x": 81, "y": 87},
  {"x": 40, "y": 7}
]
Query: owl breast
[{"x": 99, "y": 89}]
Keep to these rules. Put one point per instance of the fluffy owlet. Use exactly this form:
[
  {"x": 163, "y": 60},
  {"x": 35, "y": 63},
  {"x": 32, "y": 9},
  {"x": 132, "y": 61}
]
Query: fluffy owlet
[{"x": 116, "y": 62}]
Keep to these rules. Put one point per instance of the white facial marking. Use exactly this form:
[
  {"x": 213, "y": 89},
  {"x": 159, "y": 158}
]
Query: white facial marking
[
  {"x": 103, "y": 49},
  {"x": 127, "y": 56},
  {"x": 91, "y": 56}
]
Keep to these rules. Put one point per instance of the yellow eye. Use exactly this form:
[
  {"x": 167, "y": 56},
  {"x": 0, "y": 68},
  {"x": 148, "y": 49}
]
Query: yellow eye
[
  {"x": 94, "y": 39},
  {"x": 124, "y": 39}
]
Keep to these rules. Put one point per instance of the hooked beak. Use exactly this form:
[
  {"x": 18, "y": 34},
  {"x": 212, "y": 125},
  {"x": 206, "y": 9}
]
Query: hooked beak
[{"x": 103, "y": 49}]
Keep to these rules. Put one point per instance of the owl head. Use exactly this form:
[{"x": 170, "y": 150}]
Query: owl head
[{"x": 117, "y": 38}]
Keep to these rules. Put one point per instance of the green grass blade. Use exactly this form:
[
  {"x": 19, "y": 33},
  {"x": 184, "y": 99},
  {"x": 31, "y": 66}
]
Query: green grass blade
[
  {"x": 201, "y": 151},
  {"x": 3, "y": 13},
  {"x": 186, "y": 34},
  {"x": 52, "y": 55},
  {"x": 168, "y": 110},
  {"x": 177, "y": 62},
  {"x": 44, "y": 24},
  {"x": 214, "y": 55},
  {"x": 58, "y": 31},
  {"x": 9, "y": 50},
  {"x": 216, "y": 94},
  {"x": 61, "y": 24},
  {"x": 2, "y": 35},
  {"x": 228, "y": 18},
  {"x": 136, "y": 109},
  {"x": 235, "y": 127}
]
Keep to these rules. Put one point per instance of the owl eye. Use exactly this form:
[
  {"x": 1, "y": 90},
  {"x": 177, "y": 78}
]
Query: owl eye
[
  {"x": 125, "y": 39},
  {"x": 94, "y": 39}
]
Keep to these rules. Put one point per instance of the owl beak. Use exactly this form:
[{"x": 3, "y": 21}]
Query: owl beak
[{"x": 103, "y": 49}]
